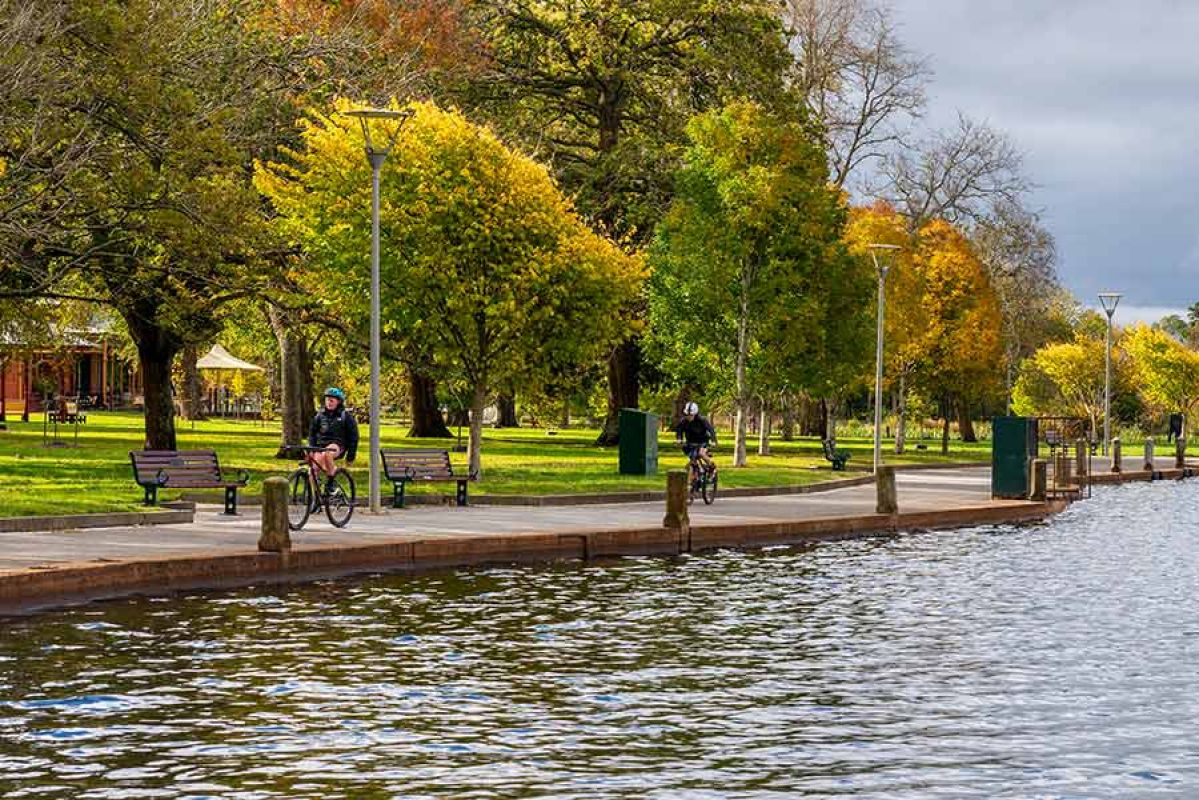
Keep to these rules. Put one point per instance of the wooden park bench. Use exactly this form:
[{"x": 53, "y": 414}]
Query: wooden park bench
[
  {"x": 832, "y": 454},
  {"x": 420, "y": 466},
  {"x": 184, "y": 469}
]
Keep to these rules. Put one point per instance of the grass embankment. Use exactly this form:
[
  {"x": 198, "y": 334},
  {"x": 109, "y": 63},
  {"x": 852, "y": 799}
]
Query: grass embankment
[{"x": 96, "y": 475}]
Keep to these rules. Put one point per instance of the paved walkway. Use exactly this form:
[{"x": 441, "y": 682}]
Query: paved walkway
[{"x": 214, "y": 533}]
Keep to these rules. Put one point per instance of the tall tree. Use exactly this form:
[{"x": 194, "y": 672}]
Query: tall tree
[
  {"x": 484, "y": 260},
  {"x": 960, "y": 175},
  {"x": 158, "y": 219},
  {"x": 963, "y": 335},
  {"x": 1019, "y": 254},
  {"x": 1065, "y": 378},
  {"x": 602, "y": 90},
  {"x": 749, "y": 261},
  {"x": 856, "y": 77},
  {"x": 1167, "y": 371}
]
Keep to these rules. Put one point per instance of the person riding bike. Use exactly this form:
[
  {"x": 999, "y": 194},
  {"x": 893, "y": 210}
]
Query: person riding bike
[
  {"x": 334, "y": 429},
  {"x": 694, "y": 432}
]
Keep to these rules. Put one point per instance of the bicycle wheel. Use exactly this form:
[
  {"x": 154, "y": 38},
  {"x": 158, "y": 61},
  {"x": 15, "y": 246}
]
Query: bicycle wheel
[
  {"x": 709, "y": 485},
  {"x": 299, "y": 499},
  {"x": 339, "y": 500}
]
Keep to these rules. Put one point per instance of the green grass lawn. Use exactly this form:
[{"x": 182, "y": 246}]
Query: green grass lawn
[{"x": 96, "y": 474}]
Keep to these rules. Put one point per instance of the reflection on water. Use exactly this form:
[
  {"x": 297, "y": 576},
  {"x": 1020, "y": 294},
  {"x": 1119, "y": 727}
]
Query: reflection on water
[{"x": 1052, "y": 661}]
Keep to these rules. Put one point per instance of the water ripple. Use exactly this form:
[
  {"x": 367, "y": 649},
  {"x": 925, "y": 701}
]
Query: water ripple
[{"x": 1048, "y": 661}]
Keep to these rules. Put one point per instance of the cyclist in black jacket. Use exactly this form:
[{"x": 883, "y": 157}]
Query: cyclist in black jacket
[
  {"x": 694, "y": 432},
  {"x": 334, "y": 429}
]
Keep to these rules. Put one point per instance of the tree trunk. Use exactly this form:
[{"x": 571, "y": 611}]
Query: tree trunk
[
  {"x": 427, "y": 422},
  {"x": 814, "y": 420},
  {"x": 965, "y": 423},
  {"x": 764, "y": 429},
  {"x": 742, "y": 398},
  {"x": 828, "y": 411},
  {"x": 295, "y": 382},
  {"x": 474, "y": 451},
  {"x": 788, "y": 417},
  {"x": 901, "y": 422},
  {"x": 506, "y": 407},
  {"x": 564, "y": 420},
  {"x": 945, "y": 411},
  {"x": 157, "y": 353},
  {"x": 623, "y": 388},
  {"x": 191, "y": 402}
]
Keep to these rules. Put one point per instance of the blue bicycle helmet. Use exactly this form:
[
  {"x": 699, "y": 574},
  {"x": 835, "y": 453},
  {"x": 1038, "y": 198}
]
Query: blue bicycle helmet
[{"x": 333, "y": 391}]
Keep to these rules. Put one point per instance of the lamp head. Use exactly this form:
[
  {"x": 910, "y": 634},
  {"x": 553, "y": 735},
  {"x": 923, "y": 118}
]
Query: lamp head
[
  {"x": 887, "y": 252},
  {"x": 380, "y": 127},
  {"x": 1109, "y": 301}
]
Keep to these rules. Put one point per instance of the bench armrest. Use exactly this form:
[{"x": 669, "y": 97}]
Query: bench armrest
[
  {"x": 242, "y": 476},
  {"x": 162, "y": 477}
]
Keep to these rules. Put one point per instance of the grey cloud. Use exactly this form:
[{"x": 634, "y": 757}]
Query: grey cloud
[{"x": 1099, "y": 97}]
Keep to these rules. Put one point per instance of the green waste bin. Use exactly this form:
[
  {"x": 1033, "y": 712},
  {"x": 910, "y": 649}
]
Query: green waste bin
[
  {"x": 638, "y": 442},
  {"x": 1013, "y": 445}
]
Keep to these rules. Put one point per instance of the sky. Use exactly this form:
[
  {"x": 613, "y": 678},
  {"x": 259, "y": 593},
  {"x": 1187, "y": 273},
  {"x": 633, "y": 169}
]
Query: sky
[{"x": 1102, "y": 98}]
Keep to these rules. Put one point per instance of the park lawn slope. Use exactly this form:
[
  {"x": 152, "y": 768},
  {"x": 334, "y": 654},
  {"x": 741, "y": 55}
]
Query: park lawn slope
[{"x": 95, "y": 475}]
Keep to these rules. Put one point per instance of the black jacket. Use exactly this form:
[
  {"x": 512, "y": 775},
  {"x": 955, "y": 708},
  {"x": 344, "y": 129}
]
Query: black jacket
[
  {"x": 697, "y": 431},
  {"x": 335, "y": 426}
]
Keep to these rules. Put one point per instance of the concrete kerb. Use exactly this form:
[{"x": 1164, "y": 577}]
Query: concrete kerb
[
  {"x": 120, "y": 519},
  {"x": 55, "y": 585}
]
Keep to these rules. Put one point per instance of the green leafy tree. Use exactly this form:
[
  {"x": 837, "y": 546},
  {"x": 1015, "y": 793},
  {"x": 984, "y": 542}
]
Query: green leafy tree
[
  {"x": 485, "y": 264},
  {"x": 1065, "y": 378},
  {"x": 603, "y": 91},
  {"x": 963, "y": 337},
  {"x": 129, "y": 130},
  {"x": 752, "y": 280},
  {"x": 1167, "y": 371}
]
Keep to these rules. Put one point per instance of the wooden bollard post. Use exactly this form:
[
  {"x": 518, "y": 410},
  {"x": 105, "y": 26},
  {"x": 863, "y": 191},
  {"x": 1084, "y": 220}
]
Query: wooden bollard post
[
  {"x": 1149, "y": 462},
  {"x": 1080, "y": 459},
  {"x": 676, "y": 501},
  {"x": 275, "y": 537},
  {"x": 1180, "y": 452},
  {"x": 1040, "y": 479},
  {"x": 1116, "y": 467},
  {"x": 888, "y": 500}
]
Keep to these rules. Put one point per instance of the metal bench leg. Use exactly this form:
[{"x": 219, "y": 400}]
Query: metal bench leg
[
  {"x": 397, "y": 497},
  {"x": 151, "y": 495},
  {"x": 461, "y": 493},
  {"x": 231, "y": 500}
]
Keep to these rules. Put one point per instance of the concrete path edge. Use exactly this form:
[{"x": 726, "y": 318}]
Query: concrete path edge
[{"x": 66, "y": 522}]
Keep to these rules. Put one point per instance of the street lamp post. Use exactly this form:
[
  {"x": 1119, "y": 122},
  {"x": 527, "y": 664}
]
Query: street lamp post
[
  {"x": 882, "y": 266},
  {"x": 1109, "y": 301},
  {"x": 377, "y": 150}
]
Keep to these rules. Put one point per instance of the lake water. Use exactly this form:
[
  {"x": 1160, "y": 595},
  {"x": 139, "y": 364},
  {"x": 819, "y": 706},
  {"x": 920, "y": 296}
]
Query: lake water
[{"x": 1041, "y": 662}]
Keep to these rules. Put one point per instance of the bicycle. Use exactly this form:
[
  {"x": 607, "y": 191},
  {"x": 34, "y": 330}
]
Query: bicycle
[
  {"x": 704, "y": 478},
  {"x": 305, "y": 495}
]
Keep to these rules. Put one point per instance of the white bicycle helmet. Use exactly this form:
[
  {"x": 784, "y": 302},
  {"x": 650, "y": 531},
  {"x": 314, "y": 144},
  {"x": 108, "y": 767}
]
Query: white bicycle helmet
[{"x": 691, "y": 408}]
